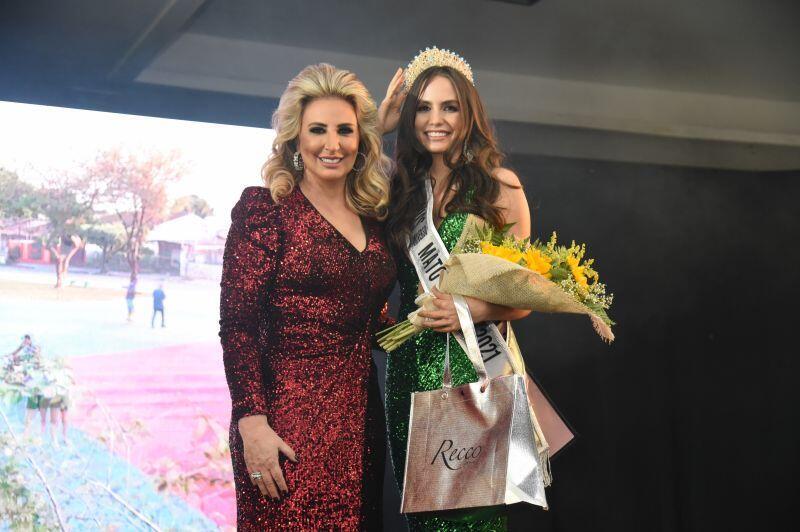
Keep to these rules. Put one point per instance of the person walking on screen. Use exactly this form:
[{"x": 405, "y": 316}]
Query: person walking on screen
[
  {"x": 129, "y": 295},
  {"x": 158, "y": 305}
]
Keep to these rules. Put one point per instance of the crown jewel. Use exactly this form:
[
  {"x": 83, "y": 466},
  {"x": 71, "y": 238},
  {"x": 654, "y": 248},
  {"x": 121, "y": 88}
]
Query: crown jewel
[{"x": 433, "y": 57}]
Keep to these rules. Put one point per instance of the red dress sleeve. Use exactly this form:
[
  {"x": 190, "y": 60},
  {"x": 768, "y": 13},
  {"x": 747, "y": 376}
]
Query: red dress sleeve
[{"x": 252, "y": 252}]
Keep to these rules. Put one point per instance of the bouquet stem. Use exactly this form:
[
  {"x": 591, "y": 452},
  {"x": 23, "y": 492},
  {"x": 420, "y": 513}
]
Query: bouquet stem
[{"x": 396, "y": 335}]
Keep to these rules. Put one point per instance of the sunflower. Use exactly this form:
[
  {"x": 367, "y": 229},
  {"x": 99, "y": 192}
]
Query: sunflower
[
  {"x": 578, "y": 272},
  {"x": 537, "y": 261},
  {"x": 509, "y": 254}
]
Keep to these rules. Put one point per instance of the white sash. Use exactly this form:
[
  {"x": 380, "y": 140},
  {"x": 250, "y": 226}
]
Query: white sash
[{"x": 428, "y": 254}]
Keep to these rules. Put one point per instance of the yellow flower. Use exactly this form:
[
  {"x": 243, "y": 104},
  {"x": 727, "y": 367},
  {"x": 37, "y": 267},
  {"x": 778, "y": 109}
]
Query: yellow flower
[
  {"x": 510, "y": 254},
  {"x": 538, "y": 262},
  {"x": 578, "y": 271}
]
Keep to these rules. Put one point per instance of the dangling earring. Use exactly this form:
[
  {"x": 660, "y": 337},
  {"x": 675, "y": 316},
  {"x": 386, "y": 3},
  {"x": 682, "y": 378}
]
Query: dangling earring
[
  {"x": 359, "y": 170},
  {"x": 297, "y": 161},
  {"x": 468, "y": 155}
]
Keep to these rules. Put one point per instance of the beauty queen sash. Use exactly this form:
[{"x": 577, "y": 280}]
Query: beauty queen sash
[{"x": 428, "y": 254}]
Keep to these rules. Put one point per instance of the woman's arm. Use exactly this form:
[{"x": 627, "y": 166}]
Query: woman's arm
[
  {"x": 515, "y": 210},
  {"x": 251, "y": 252},
  {"x": 513, "y": 202},
  {"x": 485, "y": 311},
  {"x": 445, "y": 317}
]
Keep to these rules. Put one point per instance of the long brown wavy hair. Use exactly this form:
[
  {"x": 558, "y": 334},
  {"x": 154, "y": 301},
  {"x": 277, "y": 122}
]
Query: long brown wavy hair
[{"x": 476, "y": 188}]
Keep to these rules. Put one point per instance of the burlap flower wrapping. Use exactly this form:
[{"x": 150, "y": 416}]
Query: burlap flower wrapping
[{"x": 502, "y": 282}]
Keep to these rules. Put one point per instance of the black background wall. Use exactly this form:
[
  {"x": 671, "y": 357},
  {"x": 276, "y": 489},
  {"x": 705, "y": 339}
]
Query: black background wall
[{"x": 687, "y": 421}]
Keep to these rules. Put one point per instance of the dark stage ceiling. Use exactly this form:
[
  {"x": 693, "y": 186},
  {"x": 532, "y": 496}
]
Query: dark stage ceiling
[{"x": 709, "y": 84}]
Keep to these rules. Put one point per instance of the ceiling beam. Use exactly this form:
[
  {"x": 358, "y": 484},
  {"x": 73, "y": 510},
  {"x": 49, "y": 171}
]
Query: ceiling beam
[
  {"x": 535, "y": 115},
  {"x": 164, "y": 28}
]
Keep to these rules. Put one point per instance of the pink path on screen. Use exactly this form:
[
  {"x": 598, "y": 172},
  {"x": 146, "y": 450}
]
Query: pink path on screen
[{"x": 169, "y": 390}]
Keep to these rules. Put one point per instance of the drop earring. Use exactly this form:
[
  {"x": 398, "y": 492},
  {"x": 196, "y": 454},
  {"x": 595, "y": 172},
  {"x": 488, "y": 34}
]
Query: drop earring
[
  {"x": 364, "y": 165},
  {"x": 297, "y": 161},
  {"x": 468, "y": 155}
]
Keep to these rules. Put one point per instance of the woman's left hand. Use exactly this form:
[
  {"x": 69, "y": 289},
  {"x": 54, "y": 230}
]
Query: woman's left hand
[
  {"x": 389, "y": 110},
  {"x": 445, "y": 318}
]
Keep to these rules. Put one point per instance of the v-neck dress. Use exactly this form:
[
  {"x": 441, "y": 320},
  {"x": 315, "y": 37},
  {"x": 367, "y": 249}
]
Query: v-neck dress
[{"x": 299, "y": 308}]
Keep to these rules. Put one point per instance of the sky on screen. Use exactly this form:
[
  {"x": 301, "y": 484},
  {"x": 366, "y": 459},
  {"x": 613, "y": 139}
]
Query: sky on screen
[{"x": 222, "y": 159}]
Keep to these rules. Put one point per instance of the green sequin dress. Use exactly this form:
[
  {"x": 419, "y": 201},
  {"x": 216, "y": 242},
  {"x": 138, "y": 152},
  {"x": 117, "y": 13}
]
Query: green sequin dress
[{"x": 417, "y": 366}]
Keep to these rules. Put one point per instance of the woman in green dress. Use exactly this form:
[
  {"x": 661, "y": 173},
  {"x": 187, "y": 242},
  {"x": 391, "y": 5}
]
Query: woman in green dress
[{"x": 444, "y": 136}]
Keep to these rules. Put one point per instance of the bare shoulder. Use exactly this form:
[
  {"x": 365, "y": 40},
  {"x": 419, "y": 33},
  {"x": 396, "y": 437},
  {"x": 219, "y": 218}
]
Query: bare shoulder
[
  {"x": 513, "y": 202},
  {"x": 506, "y": 177},
  {"x": 511, "y": 191}
]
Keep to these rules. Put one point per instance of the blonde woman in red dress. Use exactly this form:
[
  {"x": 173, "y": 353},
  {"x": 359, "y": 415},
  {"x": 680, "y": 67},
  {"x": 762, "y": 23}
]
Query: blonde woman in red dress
[{"x": 305, "y": 280}]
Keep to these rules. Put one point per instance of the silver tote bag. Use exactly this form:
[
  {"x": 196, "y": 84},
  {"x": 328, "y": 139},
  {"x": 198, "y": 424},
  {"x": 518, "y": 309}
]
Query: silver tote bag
[{"x": 471, "y": 445}]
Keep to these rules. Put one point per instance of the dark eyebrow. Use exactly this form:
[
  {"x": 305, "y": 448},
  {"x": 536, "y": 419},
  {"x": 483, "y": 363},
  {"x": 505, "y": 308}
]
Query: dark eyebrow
[
  {"x": 443, "y": 103},
  {"x": 326, "y": 125}
]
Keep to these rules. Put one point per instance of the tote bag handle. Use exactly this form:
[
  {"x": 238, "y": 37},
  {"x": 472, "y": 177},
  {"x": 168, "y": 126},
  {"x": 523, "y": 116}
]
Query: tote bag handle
[{"x": 473, "y": 349}]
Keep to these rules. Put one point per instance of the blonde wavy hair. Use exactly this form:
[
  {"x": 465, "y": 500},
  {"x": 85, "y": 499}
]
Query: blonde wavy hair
[{"x": 367, "y": 190}]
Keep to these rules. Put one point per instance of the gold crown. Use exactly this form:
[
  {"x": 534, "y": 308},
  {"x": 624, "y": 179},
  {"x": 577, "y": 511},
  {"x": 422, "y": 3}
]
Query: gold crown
[{"x": 433, "y": 57}]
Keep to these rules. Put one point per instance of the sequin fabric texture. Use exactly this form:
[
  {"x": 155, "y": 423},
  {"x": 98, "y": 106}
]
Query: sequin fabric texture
[
  {"x": 417, "y": 366},
  {"x": 299, "y": 308}
]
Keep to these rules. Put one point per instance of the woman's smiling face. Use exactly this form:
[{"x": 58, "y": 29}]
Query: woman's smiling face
[
  {"x": 438, "y": 121},
  {"x": 328, "y": 140}
]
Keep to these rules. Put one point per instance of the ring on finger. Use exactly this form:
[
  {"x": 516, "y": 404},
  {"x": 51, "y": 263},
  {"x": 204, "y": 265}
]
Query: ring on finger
[{"x": 256, "y": 475}]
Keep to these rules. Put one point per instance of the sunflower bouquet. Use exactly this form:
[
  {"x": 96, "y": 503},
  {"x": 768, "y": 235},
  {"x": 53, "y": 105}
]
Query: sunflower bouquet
[{"x": 492, "y": 265}]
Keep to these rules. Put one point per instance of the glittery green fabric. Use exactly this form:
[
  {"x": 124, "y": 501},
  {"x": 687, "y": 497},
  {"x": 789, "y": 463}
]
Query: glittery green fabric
[{"x": 417, "y": 366}]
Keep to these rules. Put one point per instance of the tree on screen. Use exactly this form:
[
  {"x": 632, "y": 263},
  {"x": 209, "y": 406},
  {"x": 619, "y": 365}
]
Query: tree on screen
[
  {"x": 109, "y": 237},
  {"x": 17, "y": 198},
  {"x": 65, "y": 199},
  {"x": 135, "y": 188},
  {"x": 67, "y": 202},
  {"x": 191, "y": 204}
]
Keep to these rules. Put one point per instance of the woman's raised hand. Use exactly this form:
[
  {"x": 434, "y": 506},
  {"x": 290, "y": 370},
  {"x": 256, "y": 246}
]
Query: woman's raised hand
[
  {"x": 262, "y": 449},
  {"x": 389, "y": 110}
]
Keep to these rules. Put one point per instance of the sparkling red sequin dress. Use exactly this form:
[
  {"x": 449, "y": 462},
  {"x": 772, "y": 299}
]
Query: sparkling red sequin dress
[{"x": 299, "y": 308}]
